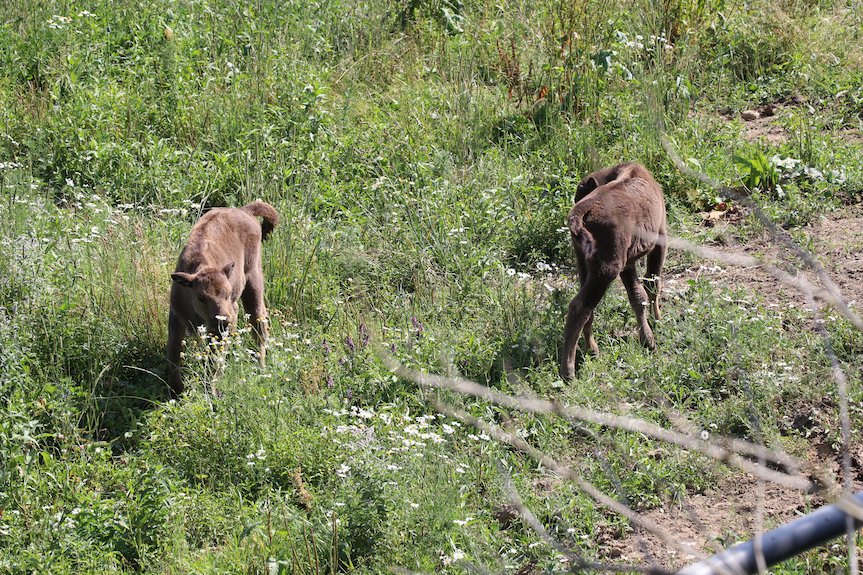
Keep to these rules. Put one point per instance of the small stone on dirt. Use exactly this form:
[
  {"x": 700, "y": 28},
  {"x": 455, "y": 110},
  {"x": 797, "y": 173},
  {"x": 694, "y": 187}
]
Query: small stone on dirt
[
  {"x": 750, "y": 115},
  {"x": 768, "y": 110},
  {"x": 505, "y": 515}
]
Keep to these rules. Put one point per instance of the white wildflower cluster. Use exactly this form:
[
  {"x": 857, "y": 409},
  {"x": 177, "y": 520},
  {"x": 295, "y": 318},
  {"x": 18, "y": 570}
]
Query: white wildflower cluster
[
  {"x": 777, "y": 374},
  {"x": 543, "y": 271},
  {"x": 187, "y": 206},
  {"x": 640, "y": 43},
  {"x": 390, "y": 440},
  {"x": 62, "y": 519},
  {"x": 258, "y": 459},
  {"x": 458, "y": 232},
  {"x": 228, "y": 344},
  {"x": 448, "y": 559},
  {"x": 57, "y": 22},
  {"x": 421, "y": 431},
  {"x": 521, "y": 275},
  {"x": 793, "y": 168}
]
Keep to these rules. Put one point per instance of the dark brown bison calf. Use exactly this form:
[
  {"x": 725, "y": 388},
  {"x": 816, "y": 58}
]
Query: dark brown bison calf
[
  {"x": 220, "y": 264},
  {"x": 618, "y": 218}
]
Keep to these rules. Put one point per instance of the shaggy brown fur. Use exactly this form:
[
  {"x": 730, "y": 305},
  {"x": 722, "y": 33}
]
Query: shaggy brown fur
[
  {"x": 618, "y": 218},
  {"x": 220, "y": 265}
]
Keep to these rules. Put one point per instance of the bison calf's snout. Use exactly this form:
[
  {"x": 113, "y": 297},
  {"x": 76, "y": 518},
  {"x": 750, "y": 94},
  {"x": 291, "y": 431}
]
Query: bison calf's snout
[{"x": 618, "y": 218}]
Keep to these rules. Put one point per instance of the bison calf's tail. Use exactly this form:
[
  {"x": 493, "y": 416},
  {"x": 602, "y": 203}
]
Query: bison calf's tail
[
  {"x": 582, "y": 240},
  {"x": 265, "y": 211}
]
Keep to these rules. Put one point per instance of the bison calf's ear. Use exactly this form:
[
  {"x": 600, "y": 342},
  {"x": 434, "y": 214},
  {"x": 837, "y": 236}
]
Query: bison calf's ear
[
  {"x": 586, "y": 186},
  {"x": 183, "y": 278}
]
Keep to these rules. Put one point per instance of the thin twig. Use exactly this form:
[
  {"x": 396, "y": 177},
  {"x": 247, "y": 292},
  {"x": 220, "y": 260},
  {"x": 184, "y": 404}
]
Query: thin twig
[
  {"x": 569, "y": 473},
  {"x": 721, "y": 450}
]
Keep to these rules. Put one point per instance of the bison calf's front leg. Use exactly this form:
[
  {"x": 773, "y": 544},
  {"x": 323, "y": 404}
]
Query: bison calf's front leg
[
  {"x": 253, "y": 301},
  {"x": 176, "y": 331}
]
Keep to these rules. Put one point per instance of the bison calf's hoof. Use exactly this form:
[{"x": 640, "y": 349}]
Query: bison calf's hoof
[{"x": 648, "y": 342}]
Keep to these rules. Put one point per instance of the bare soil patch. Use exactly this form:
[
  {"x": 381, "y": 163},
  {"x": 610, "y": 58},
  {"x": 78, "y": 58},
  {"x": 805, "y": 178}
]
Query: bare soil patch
[
  {"x": 761, "y": 125},
  {"x": 735, "y": 510},
  {"x": 711, "y": 521},
  {"x": 765, "y": 129},
  {"x": 852, "y": 136},
  {"x": 837, "y": 243},
  {"x": 740, "y": 506}
]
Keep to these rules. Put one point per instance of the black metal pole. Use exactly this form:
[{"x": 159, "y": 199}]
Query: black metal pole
[{"x": 780, "y": 544}]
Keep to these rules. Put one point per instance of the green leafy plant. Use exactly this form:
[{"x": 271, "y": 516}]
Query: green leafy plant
[{"x": 758, "y": 172}]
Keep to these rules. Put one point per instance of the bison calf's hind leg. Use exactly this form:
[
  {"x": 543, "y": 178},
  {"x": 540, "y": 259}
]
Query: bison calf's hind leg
[
  {"x": 652, "y": 280},
  {"x": 578, "y": 316},
  {"x": 639, "y": 301},
  {"x": 588, "y": 325}
]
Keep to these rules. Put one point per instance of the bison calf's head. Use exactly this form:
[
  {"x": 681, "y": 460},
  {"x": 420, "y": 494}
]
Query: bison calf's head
[{"x": 212, "y": 297}]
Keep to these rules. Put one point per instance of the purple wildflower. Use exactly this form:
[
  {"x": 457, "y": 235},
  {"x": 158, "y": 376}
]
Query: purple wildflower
[
  {"x": 349, "y": 341},
  {"x": 331, "y": 383},
  {"x": 326, "y": 345},
  {"x": 417, "y": 325},
  {"x": 364, "y": 334}
]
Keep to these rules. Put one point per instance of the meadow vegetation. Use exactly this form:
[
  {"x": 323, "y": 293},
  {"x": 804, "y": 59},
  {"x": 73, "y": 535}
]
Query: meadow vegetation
[{"x": 422, "y": 155}]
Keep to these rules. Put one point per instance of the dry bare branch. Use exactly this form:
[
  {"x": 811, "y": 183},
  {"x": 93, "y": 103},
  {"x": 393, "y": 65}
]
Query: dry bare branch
[
  {"x": 722, "y": 449},
  {"x": 569, "y": 473}
]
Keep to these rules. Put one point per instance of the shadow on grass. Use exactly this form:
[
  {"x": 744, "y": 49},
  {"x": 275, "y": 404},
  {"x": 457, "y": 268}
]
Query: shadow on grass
[{"x": 131, "y": 386}]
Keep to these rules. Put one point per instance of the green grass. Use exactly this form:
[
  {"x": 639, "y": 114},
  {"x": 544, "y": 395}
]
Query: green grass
[{"x": 422, "y": 156}]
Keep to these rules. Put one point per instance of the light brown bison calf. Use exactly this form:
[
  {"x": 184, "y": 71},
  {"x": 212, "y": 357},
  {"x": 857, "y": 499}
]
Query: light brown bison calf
[
  {"x": 618, "y": 218},
  {"x": 220, "y": 264}
]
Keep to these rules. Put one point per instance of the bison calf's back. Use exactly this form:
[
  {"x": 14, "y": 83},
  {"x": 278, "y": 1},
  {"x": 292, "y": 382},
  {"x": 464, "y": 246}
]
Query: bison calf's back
[
  {"x": 618, "y": 218},
  {"x": 220, "y": 265}
]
